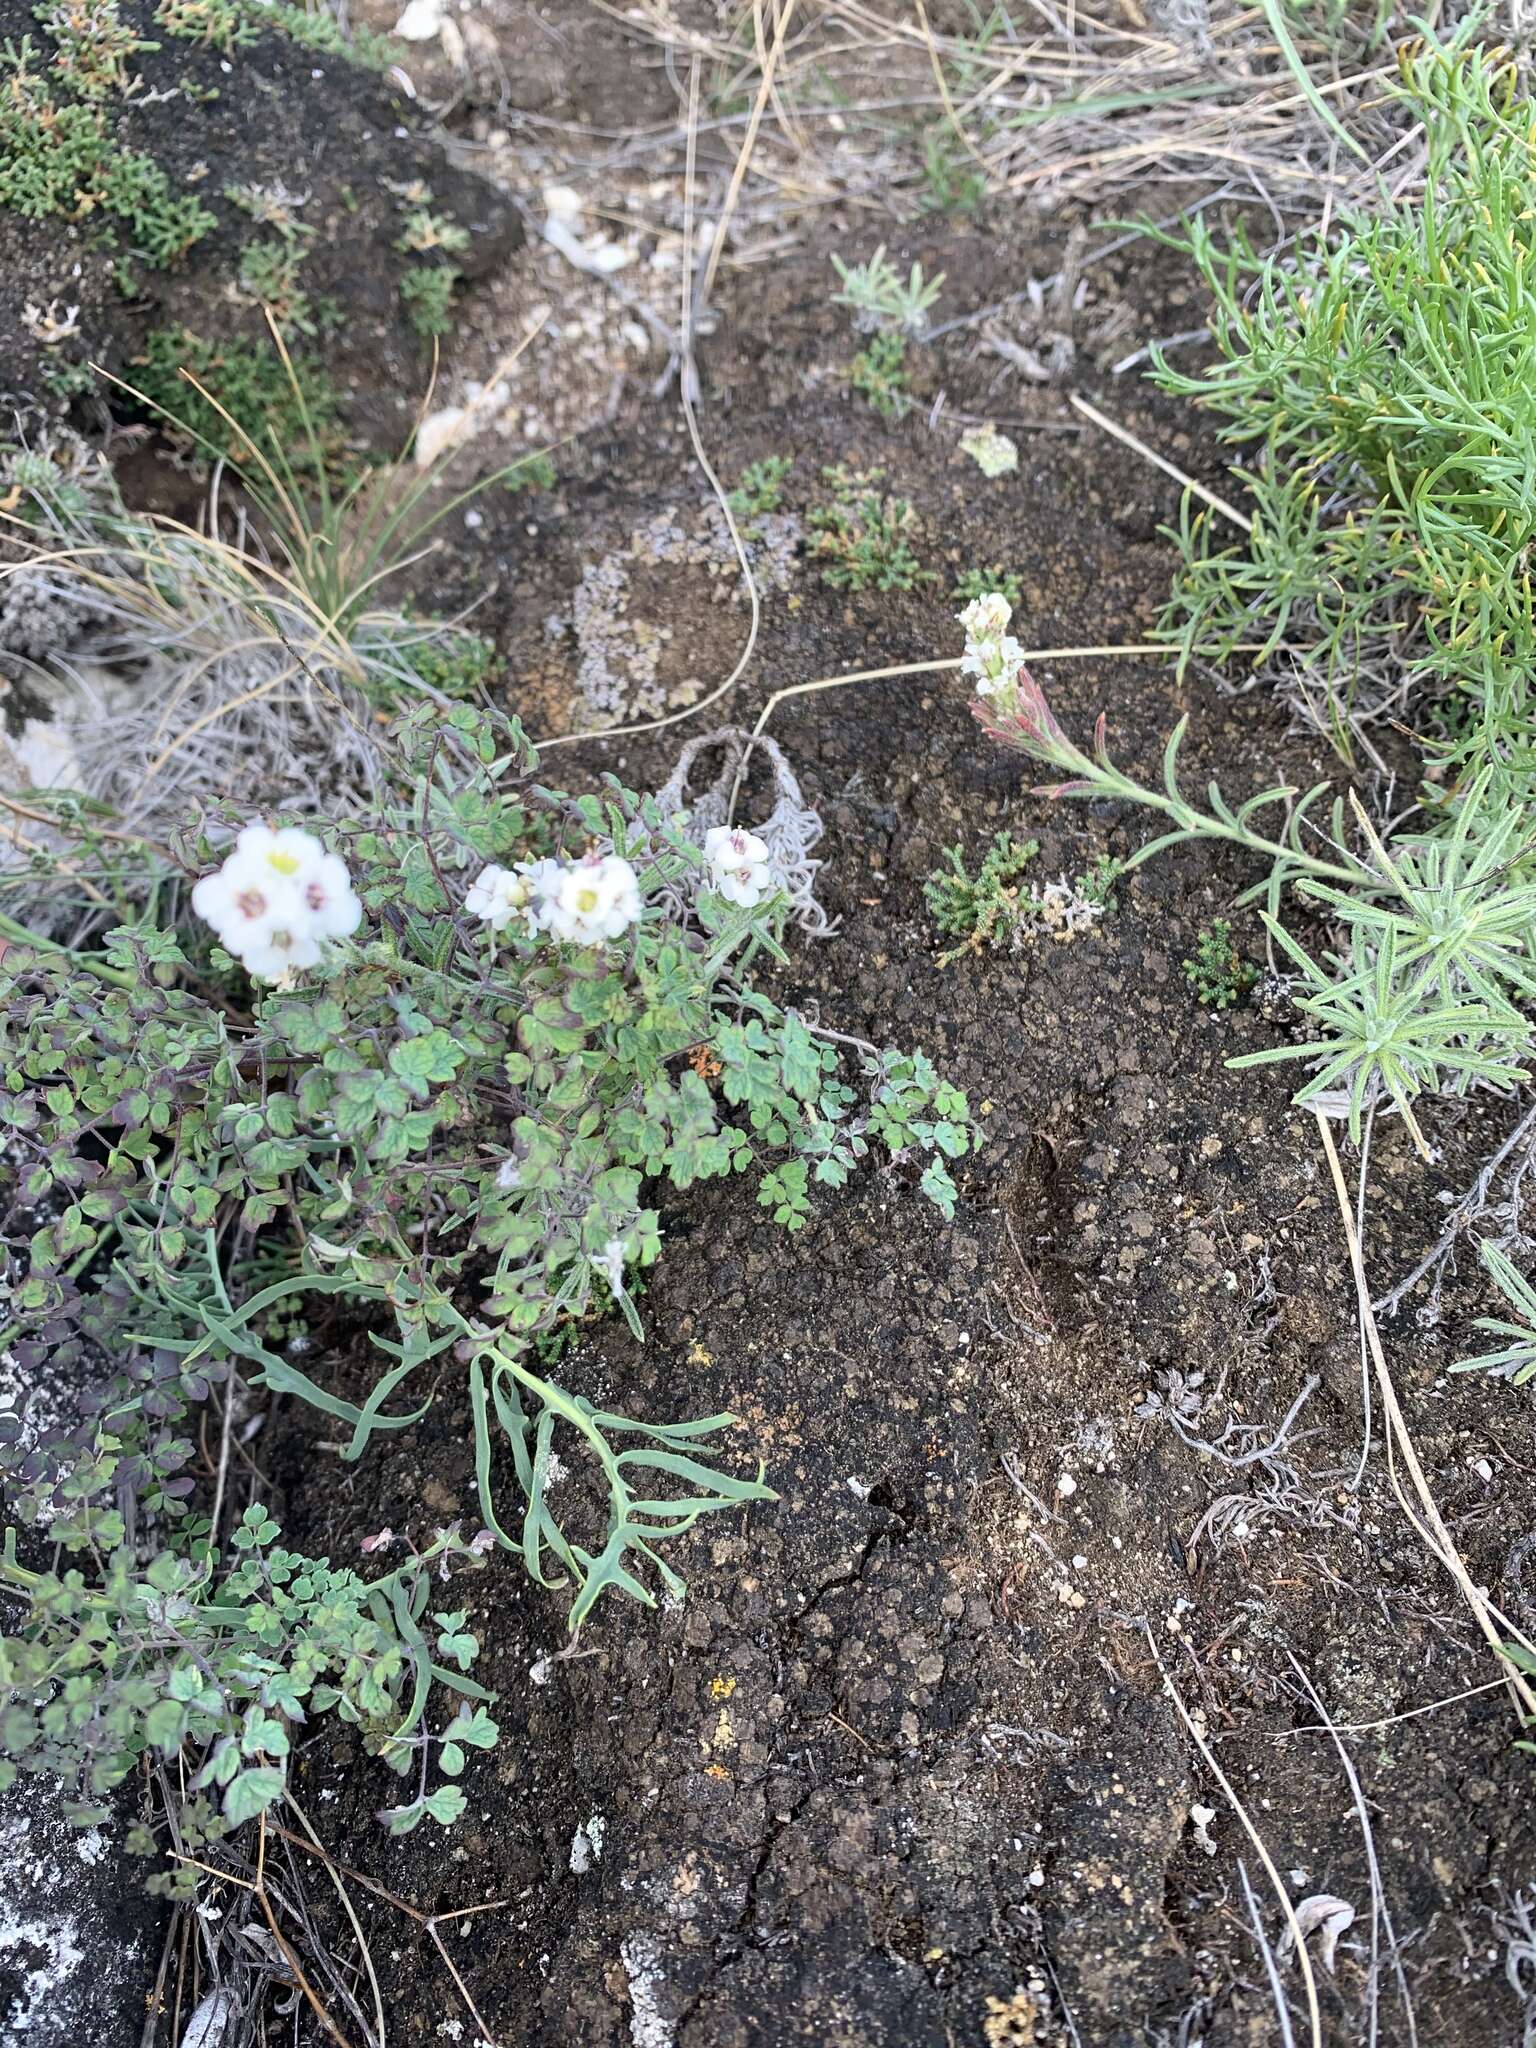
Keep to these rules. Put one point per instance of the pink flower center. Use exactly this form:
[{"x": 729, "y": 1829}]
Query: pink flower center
[{"x": 251, "y": 903}]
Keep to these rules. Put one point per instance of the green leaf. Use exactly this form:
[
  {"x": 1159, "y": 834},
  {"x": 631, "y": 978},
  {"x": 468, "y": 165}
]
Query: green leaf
[
  {"x": 251, "y": 1792},
  {"x": 420, "y": 1061},
  {"x": 446, "y": 1804}
]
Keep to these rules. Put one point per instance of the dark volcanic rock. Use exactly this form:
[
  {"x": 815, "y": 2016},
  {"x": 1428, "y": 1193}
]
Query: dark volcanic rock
[{"x": 318, "y": 131}]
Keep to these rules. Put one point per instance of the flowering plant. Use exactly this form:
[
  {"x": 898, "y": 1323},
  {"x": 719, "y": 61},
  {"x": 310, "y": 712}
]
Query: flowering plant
[
  {"x": 546, "y": 1009},
  {"x": 1423, "y": 999},
  {"x": 276, "y": 899},
  {"x": 738, "y": 863}
]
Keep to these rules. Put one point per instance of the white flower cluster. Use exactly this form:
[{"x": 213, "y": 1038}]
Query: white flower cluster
[
  {"x": 584, "y": 902},
  {"x": 278, "y": 897},
  {"x": 992, "y": 655},
  {"x": 738, "y": 865}
]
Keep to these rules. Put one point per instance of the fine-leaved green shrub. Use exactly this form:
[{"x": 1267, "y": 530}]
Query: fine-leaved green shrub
[{"x": 1385, "y": 376}]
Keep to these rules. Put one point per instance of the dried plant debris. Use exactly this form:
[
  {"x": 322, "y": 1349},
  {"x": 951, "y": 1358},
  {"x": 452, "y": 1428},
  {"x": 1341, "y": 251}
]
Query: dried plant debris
[{"x": 790, "y": 828}]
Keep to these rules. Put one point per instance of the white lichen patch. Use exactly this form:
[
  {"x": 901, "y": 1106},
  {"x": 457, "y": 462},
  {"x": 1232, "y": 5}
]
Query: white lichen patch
[
  {"x": 587, "y": 1844},
  {"x": 622, "y": 655},
  {"x": 649, "y": 2026},
  {"x": 59, "y": 1953}
]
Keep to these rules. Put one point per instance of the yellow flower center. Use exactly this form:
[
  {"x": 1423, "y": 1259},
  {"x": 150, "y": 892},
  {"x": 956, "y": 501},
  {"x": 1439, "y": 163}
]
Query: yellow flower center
[
  {"x": 285, "y": 863},
  {"x": 586, "y": 901}
]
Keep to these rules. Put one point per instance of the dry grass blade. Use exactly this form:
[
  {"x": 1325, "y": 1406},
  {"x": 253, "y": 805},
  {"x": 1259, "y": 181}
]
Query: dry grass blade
[
  {"x": 1303, "y": 1959},
  {"x": 1427, "y": 1520},
  {"x": 1130, "y": 440},
  {"x": 744, "y": 156}
]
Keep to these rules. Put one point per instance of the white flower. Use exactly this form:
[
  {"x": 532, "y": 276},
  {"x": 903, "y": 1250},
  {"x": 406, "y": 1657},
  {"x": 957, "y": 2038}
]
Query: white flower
[
  {"x": 992, "y": 655},
  {"x": 993, "y": 666},
  {"x": 738, "y": 862},
  {"x": 610, "y": 1263},
  {"x": 500, "y": 894},
  {"x": 497, "y": 895},
  {"x": 276, "y": 898},
  {"x": 326, "y": 892},
  {"x": 986, "y": 618},
  {"x": 594, "y": 900}
]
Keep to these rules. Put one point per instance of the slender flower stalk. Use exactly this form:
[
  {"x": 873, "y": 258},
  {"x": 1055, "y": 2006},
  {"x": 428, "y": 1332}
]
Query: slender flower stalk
[{"x": 1011, "y": 708}]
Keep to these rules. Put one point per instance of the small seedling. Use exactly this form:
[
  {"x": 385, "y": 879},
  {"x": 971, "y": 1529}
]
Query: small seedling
[
  {"x": 1097, "y": 883},
  {"x": 994, "y": 582},
  {"x": 1216, "y": 971},
  {"x": 533, "y": 473},
  {"x": 879, "y": 375},
  {"x": 761, "y": 489},
  {"x": 985, "y": 910},
  {"x": 875, "y": 294},
  {"x": 425, "y": 230},
  {"x": 269, "y": 273},
  {"x": 427, "y": 290},
  {"x": 952, "y": 183},
  {"x": 862, "y": 537}
]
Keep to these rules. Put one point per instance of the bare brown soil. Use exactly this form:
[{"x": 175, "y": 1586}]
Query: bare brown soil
[{"x": 902, "y": 1772}]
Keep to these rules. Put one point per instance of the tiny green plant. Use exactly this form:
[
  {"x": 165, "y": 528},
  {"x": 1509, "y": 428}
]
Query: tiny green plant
[
  {"x": 425, "y": 231},
  {"x": 426, "y": 290},
  {"x": 231, "y": 25},
  {"x": 953, "y": 182},
  {"x": 1216, "y": 971},
  {"x": 269, "y": 273},
  {"x": 95, "y": 45},
  {"x": 878, "y": 374},
  {"x": 863, "y": 537},
  {"x": 881, "y": 300},
  {"x": 996, "y": 581},
  {"x": 530, "y": 473},
  {"x": 985, "y": 909},
  {"x": 761, "y": 489},
  {"x": 1097, "y": 884},
  {"x": 994, "y": 908}
]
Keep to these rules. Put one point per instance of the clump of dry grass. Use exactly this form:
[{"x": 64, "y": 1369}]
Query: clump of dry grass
[
  {"x": 256, "y": 657},
  {"x": 908, "y": 111},
  {"x": 185, "y": 666}
]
